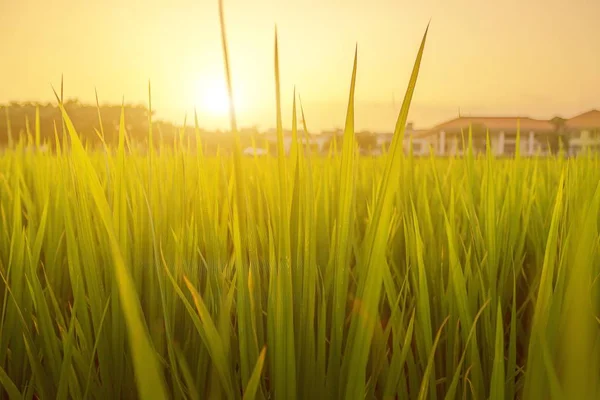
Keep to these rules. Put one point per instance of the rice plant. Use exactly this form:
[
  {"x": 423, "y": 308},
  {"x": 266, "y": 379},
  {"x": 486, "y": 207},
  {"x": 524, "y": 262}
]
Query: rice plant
[{"x": 175, "y": 275}]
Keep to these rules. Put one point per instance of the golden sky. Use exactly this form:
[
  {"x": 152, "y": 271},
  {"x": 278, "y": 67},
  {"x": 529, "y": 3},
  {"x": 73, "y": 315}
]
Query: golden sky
[{"x": 527, "y": 57}]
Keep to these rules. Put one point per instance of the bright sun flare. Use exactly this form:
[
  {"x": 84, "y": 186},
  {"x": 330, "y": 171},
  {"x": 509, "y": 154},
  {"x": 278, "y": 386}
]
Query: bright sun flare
[{"x": 214, "y": 99}]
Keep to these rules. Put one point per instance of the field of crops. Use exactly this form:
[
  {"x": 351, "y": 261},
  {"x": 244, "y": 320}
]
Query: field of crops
[
  {"x": 184, "y": 276},
  {"x": 171, "y": 274}
]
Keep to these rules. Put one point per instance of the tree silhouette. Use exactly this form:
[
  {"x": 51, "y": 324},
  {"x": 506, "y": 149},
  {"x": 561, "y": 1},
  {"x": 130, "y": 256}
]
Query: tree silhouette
[{"x": 18, "y": 120}]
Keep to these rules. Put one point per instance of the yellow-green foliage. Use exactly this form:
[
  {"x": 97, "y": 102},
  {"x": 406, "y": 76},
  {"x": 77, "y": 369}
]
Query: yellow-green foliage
[
  {"x": 476, "y": 277},
  {"x": 483, "y": 279},
  {"x": 176, "y": 275}
]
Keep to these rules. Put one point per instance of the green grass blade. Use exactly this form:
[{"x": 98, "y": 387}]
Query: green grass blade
[{"x": 254, "y": 381}]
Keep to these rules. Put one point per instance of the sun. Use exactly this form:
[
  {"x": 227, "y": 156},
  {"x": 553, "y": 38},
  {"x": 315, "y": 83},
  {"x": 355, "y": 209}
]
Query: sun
[{"x": 213, "y": 98}]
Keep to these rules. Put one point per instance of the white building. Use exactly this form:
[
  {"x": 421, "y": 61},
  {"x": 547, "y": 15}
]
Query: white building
[
  {"x": 451, "y": 138},
  {"x": 583, "y": 132},
  {"x": 420, "y": 145}
]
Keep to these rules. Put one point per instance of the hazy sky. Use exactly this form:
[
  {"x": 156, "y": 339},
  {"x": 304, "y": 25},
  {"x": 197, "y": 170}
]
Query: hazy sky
[{"x": 531, "y": 57}]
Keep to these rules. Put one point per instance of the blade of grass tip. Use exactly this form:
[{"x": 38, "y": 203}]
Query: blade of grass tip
[
  {"x": 278, "y": 98},
  {"x": 28, "y": 131},
  {"x": 374, "y": 247},
  {"x": 240, "y": 223},
  {"x": 254, "y": 381},
  {"x": 62, "y": 99},
  {"x": 302, "y": 114},
  {"x": 285, "y": 377},
  {"x": 309, "y": 195},
  {"x": 307, "y": 135},
  {"x": 182, "y": 135},
  {"x": 239, "y": 175},
  {"x": 227, "y": 69},
  {"x": 57, "y": 140},
  {"x": 518, "y": 141},
  {"x": 281, "y": 153},
  {"x": 37, "y": 128},
  {"x": 343, "y": 223},
  {"x": 149, "y": 379},
  {"x": 296, "y": 232},
  {"x": 295, "y": 144},
  {"x": 8, "y": 128},
  {"x": 102, "y": 137},
  {"x": 150, "y": 134},
  {"x": 199, "y": 150},
  {"x": 124, "y": 138}
]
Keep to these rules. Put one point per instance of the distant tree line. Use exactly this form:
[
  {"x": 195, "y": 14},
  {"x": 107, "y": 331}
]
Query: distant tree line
[{"x": 20, "y": 120}]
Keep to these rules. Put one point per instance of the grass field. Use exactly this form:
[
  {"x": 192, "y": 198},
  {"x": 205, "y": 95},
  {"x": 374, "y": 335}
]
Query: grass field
[
  {"x": 129, "y": 275},
  {"x": 176, "y": 275}
]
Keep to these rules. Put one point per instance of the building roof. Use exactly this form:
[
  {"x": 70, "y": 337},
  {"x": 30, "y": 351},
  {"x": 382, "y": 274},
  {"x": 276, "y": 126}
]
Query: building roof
[
  {"x": 590, "y": 119},
  {"x": 388, "y": 136},
  {"x": 494, "y": 124}
]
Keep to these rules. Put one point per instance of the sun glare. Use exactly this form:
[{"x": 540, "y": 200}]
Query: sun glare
[{"x": 214, "y": 99}]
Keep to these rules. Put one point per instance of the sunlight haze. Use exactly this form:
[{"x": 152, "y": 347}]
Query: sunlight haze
[{"x": 527, "y": 57}]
